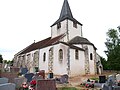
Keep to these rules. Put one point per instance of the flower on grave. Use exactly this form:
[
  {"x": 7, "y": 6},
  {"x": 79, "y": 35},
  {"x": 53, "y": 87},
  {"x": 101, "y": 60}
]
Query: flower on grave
[
  {"x": 25, "y": 85},
  {"x": 33, "y": 82},
  {"x": 31, "y": 88}
]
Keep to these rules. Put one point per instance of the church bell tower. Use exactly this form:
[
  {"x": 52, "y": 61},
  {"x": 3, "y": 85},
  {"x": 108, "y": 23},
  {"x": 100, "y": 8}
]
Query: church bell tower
[{"x": 66, "y": 24}]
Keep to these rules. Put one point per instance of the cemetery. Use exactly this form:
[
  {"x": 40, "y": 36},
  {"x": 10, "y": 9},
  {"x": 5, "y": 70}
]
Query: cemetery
[{"x": 14, "y": 78}]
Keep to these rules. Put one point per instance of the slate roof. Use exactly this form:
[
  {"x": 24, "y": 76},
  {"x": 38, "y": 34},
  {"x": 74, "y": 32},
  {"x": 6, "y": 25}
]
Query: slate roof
[
  {"x": 41, "y": 44},
  {"x": 80, "y": 40},
  {"x": 72, "y": 46},
  {"x": 47, "y": 42},
  {"x": 66, "y": 14}
]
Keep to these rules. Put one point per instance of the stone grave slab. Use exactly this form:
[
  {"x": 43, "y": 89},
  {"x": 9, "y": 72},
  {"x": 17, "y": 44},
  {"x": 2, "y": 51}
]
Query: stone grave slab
[
  {"x": 42, "y": 73},
  {"x": 18, "y": 81},
  {"x": 105, "y": 87},
  {"x": 29, "y": 76},
  {"x": 24, "y": 70},
  {"x": 64, "y": 78},
  {"x": 116, "y": 88},
  {"x": 36, "y": 77},
  {"x": 7, "y": 86},
  {"x": 111, "y": 80},
  {"x": 14, "y": 69},
  {"x": 3, "y": 80},
  {"x": 118, "y": 77},
  {"x": 46, "y": 85}
]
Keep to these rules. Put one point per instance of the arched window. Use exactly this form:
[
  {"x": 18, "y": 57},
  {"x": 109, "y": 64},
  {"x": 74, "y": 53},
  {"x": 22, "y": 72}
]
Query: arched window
[
  {"x": 60, "y": 54},
  {"x": 91, "y": 56},
  {"x": 44, "y": 57},
  {"x": 75, "y": 24},
  {"x": 76, "y": 54},
  {"x": 58, "y": 25}
]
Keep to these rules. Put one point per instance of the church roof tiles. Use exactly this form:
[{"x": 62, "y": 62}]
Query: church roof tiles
[
  {"x": 80, "y": 40},
  {"x": 41, "y": 44}
]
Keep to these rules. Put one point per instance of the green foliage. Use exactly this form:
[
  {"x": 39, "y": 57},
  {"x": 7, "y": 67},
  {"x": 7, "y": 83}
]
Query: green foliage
[
  {"x": 10, "y": 62},
  {"x": 1, "y": 59},
  {"x": 67, "y": 88},
  {"x": 104, "y": 63},
  {"x": 113, "y": 50}
]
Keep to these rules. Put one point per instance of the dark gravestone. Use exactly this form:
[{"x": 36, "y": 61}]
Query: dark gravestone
[
  {"x": 64, "y": 79},
  {"x": 50, "y": 75},
  {"x": 102, "y": 79},
  {"x": 29, "y": 76},
  {"x": 24, "y": 70},
  {"x": 46, "y": 85}
]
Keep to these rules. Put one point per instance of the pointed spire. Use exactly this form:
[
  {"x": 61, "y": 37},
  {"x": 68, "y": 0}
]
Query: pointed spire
[{"x": 66, "y": 11}]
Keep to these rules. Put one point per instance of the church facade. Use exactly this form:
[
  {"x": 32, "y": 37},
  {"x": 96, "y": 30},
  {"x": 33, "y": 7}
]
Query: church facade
[{"x": 65, "y": 52}]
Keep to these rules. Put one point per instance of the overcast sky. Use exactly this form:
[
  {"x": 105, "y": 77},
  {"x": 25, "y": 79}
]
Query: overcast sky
[{"x": 23, "y": 21}]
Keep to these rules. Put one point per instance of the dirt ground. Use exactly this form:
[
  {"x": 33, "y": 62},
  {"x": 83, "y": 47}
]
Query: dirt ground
[{"x": 77, "y": 80}]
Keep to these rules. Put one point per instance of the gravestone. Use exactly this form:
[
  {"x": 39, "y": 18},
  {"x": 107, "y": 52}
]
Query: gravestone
[
  {"x": 24, "y": 70},
  {"x": 0, "y": 66},
  {"x": 116, "y": 88},
  {"x": 105, "y": 87},
  {"x": 118, "y": 77},
  {"x": 64, "y": 79},
  {"x": 46, "y": 85},
  {"x": 42, "y": 73},
  {"x": 50, "y": 75},
  {"x": 36, "y": 77},
  {"x": 29, "y": 76},
  {"x": 111, "y": 79},
  {"x": 102, "y": 79},
  {"x": 7, "y": 86},
  {"x": 18, "y": 81},
  {"x": 14, "y": 69},
  {"x": 110, "y": 84},
  {"x": 3, "y": 80}
]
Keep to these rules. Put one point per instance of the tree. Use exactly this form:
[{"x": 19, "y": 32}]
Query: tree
[
  {"x": 113, "y": 49},
  {"x": 1, "y": 59},
  {"x": 104, "y": 63}
]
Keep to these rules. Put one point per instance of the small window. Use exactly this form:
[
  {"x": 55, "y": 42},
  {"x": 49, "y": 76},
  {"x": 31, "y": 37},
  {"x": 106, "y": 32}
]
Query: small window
[
  {"x": 75, "y": 24},
  {"x": 60, "y": 55},
  {"x": 58, "y": 25},
  {"x": 44, "y": 57},
  {"x": 91, "y": 56},
  {"x": 76, "y": 54}
]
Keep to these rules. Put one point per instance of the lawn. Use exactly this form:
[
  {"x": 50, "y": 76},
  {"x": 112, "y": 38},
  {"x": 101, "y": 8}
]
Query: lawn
[{"x": 67, "y": 88}]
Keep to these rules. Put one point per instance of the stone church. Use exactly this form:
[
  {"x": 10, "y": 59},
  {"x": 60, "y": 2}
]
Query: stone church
[{"x": 65, "y": 52}]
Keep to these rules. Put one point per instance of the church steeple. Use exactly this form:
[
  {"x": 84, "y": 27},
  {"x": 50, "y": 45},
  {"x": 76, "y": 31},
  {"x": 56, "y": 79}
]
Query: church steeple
[
  {"x": 66, "y": 14},
  {"x": 66, "y": 11}
]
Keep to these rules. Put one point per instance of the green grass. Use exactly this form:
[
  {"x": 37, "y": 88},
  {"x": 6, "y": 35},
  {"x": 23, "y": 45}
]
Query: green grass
[
  {"x": 67, "y": 88},
  {"x": 94, "y": 79}
]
